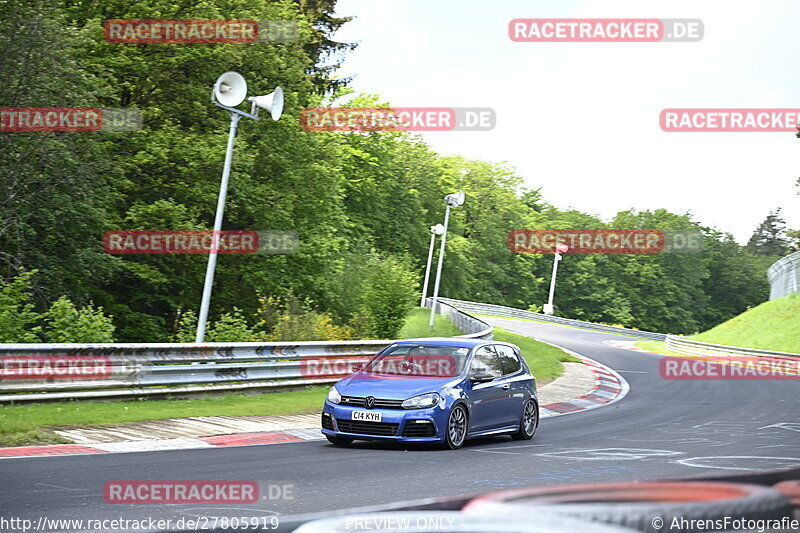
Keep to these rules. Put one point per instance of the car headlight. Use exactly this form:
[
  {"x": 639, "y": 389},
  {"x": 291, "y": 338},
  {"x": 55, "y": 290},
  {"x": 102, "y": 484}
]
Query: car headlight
[
  {"x": 423, "y": 401},
  {"x": 334, "y": 396}
]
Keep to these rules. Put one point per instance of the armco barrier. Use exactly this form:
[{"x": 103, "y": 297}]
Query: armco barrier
[
  {"x": 500, "y": 310},
  {"x": 41, "y": 372},
  {"x": 462, "y": 320},
  {"x": 686, "y": 346}
]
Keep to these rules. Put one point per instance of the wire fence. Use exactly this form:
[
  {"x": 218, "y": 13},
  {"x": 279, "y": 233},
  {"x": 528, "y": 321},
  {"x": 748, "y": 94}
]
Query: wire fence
[{"x": 784, "y": 276}]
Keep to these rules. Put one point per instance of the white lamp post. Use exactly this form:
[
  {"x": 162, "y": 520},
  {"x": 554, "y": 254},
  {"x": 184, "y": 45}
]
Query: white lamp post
[
  {"x": 438, "y": 229},
  {"x": 451, "y": 200},
  {"x": 560, "y": 248},
  {"x": 228, "y": 92}
]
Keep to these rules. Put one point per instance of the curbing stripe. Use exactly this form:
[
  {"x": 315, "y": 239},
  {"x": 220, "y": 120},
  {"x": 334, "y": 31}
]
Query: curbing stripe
[
  {"x": 56, "y": 449},
  {"x": 251, "y": 438}
]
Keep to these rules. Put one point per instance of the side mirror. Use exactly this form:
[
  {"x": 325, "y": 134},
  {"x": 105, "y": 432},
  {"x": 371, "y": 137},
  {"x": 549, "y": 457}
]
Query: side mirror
[{"x": 481, "y": 377}]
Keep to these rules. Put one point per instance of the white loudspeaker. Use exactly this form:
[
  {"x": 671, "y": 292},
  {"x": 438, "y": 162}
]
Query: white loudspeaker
[
  {"x": 438, "y": 229},
  {"x": 272, "y": 102},
  {"x": 230, "y": 89},
  {"x": 455, "y": 199}
]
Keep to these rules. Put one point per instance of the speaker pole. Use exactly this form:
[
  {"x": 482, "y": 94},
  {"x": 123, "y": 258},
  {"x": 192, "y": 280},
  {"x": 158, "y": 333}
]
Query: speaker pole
[{"x": 212, "y": 255}]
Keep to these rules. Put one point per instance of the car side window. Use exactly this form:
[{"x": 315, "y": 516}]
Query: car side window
[
  {"x": 486, "y": 360},
  {"x": 509, "y": 361}
]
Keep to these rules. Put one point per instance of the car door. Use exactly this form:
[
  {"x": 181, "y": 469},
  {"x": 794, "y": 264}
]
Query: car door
[
  {"x": 516, "y": 380},
  {"x": 487, "y": 399}
]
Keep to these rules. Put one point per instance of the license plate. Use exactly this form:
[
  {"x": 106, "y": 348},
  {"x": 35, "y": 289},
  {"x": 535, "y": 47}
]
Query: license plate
[{"x": 367, "y": 416}]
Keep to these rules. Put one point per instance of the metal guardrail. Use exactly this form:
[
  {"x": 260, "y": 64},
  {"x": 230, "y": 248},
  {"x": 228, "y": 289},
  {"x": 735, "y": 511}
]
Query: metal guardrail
[
  {"x": 463, "y": 321},
  {"x": 501, "y": 310},
  {"x": 41, "y": 372},
  {"x": 784, "y": 276},
  {"x": 686, "y": 346}
]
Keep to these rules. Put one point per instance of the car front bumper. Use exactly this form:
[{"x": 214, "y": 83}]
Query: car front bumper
[{"x": 401, "y": 425}]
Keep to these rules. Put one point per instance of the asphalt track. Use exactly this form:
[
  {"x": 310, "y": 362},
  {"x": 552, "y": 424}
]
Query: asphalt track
[{"x": 662, "y": 429}]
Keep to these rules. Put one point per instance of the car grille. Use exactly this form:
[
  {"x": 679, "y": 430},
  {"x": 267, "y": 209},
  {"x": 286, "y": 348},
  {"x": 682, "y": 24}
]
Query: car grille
[
  {"x": 367, "y": 428},
  {"x": 327, "y": 421},
  {"x": 380, "y": 403},
  {"x": 423, "y": 428}
]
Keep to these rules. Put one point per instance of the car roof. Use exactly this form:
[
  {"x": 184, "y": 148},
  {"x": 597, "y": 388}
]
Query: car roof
[{"x": 445, "y": 341}]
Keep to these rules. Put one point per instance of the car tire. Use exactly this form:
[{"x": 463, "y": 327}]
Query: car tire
[
  {"x": 528, "y": 422},
  {"x": 339, "y": 441},
  {"x": 455, "y": 432}
]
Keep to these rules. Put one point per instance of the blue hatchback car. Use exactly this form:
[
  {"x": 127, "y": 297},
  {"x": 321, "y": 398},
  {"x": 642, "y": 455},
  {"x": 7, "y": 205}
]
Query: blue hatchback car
[{"x": 440, "y": 390}]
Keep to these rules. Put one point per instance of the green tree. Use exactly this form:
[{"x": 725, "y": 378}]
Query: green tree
[
  {"x": 769, "y": 238},
  {"x": 56, "y": 198},
  {"x": 388, "y": 294},
  {"x": 737, "y": 279}
]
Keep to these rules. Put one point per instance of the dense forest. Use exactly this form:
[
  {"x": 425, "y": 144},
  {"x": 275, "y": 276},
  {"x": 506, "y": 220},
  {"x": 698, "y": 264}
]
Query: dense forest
[{"x": 361, "y": 203}]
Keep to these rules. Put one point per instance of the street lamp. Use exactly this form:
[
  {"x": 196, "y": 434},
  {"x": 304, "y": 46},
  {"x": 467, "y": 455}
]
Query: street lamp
[
  {"x": 228, "y": 92},
  {"x": 438, "y": 229},
  {"x": 451, "y": 200},
  {"x": 560, "y": 248}
]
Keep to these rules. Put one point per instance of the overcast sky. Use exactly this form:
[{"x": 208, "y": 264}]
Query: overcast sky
[{"x": 581, "y": 120}]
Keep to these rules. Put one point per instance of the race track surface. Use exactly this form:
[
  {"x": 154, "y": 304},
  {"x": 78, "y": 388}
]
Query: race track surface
[{"x": 661, "y": 429}]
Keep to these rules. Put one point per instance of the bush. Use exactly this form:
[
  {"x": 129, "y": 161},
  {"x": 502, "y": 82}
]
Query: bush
[
  {"x": 293, "y": 320},
  {"x": 63, "y": 322},
  {"x": 187, "y": 327},
  {"x": 16, "y": 312},
  {"x": 231, "y": 327}
]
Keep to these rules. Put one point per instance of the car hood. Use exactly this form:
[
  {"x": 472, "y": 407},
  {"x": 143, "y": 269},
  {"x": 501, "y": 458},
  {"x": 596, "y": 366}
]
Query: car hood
[{"x": 391, "y": 387}]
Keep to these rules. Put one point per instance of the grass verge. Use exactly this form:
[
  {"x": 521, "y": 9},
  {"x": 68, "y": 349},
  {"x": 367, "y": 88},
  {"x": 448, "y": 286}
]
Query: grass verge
[
  {"x": 772, "y": 325},
  {"x": 543, "y": 359},
  {"x": 553, "y": 324},
  {"x": 417, "y": 325},
  {"x": 658, "y": 347}
]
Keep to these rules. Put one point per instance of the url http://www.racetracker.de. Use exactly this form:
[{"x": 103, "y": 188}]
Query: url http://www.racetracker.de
[{"x": 198, "y": 523}]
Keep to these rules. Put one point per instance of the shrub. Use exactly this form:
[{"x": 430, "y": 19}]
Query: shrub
[
  {"x": 16, "y": 312},
  {"x": 231, "y": 327},
  {"x": 292, "y": 320},
  {"x": 187, "y": 327},
  {"x": 63, "y": 322}
]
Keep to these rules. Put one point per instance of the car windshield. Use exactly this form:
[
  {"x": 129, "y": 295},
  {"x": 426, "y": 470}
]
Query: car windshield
[{"x": 419, "y": 360}]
